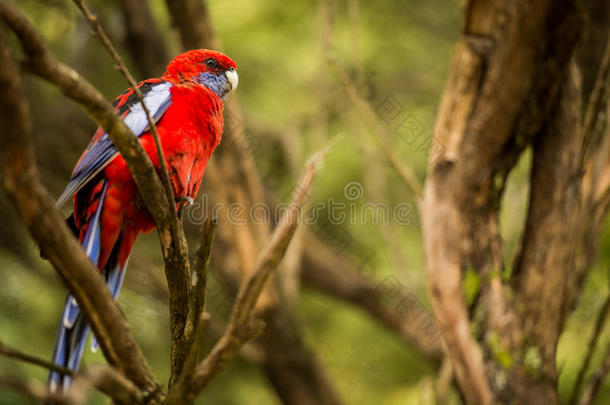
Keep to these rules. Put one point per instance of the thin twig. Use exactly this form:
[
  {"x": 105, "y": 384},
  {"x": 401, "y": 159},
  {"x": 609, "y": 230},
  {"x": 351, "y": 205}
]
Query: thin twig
[
  {"x": 33, "y": 390},
  {"x": 602, "y": 316},
  {"x": 27, "y": 358},
  {"x": 112, "y": 383},
  {"x": 105, "y": 378},
  {"x": 596, "y": 380},
  {"x": 241, "y": 326},
  {"x": 37, "y": 209},
  {"x": 405, "y": 172},
  {"x": 199, "y": 278},
  {"x": 175, "y": 250},
  {"x": 99, "y": 32},
  {"x": 595, "y": 103},
  {"x": 443, "y": 381}
]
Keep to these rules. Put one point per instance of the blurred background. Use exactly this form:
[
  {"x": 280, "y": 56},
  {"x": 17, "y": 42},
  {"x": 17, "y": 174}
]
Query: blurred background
[{"x": 397, "y": 54}]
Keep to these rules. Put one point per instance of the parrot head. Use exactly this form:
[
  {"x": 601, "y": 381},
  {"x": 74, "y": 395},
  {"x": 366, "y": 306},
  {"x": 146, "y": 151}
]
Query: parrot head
[{"x": 212, "y": 69}]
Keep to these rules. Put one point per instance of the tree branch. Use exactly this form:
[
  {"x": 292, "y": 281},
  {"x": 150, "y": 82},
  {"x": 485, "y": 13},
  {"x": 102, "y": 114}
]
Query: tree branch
[
  {"x": 596, "y": 380},
  {"x": 199, "y": 279},
  {"x": 405, "y": 172},
  {"x": 35, "y": 391},
  {"x": 504, "y": 86},
  {"x": 175, "y": 250},
  {"x": 144, "y": 39},
  {"x": 107, "y": 380},
  {"x": 17, "y": 355},
  {"x": 180, "y": 394},
  {"x": 337, "y": 277},
  {"x": 241, "y": 327},
  {"x": 99, "y": 32},
  {"x": 37, "y": 209},
  {"x": 599, "y": 325},
  {"x": 103, "y": 377}
]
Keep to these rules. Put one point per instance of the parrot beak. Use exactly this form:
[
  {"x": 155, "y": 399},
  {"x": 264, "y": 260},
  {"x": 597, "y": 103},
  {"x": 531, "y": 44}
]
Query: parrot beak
[{"x": 232, "y": 77}]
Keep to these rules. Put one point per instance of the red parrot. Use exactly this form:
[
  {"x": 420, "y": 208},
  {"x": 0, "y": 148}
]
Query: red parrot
[{"x": 186, "y": 104}]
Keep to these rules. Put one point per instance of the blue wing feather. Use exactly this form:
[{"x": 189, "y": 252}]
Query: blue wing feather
[{"x": 157, "y": 98}]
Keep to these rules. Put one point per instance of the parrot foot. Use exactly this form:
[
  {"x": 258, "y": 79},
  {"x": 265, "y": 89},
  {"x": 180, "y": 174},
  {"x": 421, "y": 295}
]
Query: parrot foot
[{"x": 185, "y": 199}]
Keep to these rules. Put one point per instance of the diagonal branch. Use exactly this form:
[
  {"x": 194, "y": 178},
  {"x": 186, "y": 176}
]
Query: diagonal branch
[
  {"x": 175, "y": 250},
  {"x": 34, "y": 390},
  {"x": 144, "y": 39},
  {"x": 17, "y": 355},
  {"x": 241, "y": 327},
  {"x": 199, "y": 278},
  {"x": 38, "y": 213},
  {"x": 405, "y": 172},
  {"x": 103, "y": 377},
  {"x": 602, "y": 316},
  {"x": 97, "y": 29},
  {"x": 595, "y": 103},
  {"x": 596, "y": 380}
]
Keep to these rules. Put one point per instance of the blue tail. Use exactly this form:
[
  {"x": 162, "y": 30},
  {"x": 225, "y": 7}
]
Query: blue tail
[{"x": 73, "y": 328}]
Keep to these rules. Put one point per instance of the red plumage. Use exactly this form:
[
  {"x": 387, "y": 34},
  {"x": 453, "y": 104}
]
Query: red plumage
[{"x": 189, "y": 131}]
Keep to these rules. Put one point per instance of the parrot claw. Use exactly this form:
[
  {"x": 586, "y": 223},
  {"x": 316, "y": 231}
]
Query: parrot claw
[{"x": 185, "y": 199}]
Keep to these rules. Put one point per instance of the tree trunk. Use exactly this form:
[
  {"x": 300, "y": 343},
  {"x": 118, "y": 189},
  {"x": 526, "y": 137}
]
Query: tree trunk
[{"x": 511, "y": 84}]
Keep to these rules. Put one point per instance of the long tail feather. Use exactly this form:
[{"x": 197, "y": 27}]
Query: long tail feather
[
  {"x": 73, "y": 329},
  {"x": 114, "y": 274}
]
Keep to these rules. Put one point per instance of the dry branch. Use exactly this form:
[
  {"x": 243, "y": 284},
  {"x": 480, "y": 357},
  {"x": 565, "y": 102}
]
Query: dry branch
[
  {"x": 175, "y": 248},
  {"x": 144, "y": 39},
  {"x": 596, "y": 380},
  {"x": 241, "y": 326},
  {"x": 37, "y": 209},
  {"x": 34, "y": 390},
  {"x": 599, "y": 325},
  {"x": 107, "y": 380},
  {"x": 336, "y": 276},
  {"x": 199, "y": 278},
  {"x": 17, "y": 355},
  {"x": 405, "y": 172},
  {"x": 103, "y": 377},
  {"x": 99, "y": 32}
]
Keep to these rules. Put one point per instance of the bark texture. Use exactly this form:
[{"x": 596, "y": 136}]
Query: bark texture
[{"x": 511, "y": 85}]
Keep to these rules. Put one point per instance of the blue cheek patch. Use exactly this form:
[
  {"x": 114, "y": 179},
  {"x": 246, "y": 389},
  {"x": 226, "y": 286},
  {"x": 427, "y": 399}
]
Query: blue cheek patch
[{"x": 216, "y": 82}]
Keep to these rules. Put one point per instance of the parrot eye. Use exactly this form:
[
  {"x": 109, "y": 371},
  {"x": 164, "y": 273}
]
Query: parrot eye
[{"x": 211, "y": 63}]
